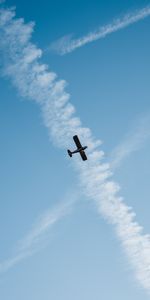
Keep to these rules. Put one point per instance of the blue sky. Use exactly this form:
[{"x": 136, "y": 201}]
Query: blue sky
[{"x": 80, "y": 255}]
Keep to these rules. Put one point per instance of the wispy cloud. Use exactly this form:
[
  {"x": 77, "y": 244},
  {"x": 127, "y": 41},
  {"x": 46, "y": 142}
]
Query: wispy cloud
[
  {"x": 34, "y": 81},
  {"x": 37, "y": 236},
  {"x": 66, "y": 44},
  {"x": 133, "y": 141}
]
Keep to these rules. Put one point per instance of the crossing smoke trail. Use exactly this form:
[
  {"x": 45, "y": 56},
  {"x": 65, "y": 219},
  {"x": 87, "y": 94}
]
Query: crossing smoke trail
[
  {"x": 33, "y": 81},
  {"x": 66, "y": 45},
  {"x": 35, "y": 239},
  {"x": 132, "y": 142}
]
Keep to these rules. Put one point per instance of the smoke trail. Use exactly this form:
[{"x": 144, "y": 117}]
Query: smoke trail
[
  {"x": 66, "y": 44},
  {"x": 35, "y": 82},
  {"x": 132, "y": 142},
  {"x": 35, "y": 239}
]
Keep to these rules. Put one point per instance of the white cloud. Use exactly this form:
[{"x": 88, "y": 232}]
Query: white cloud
[
  {"x": 34, "y": 81},
  {"x": 66, "y": 44}
]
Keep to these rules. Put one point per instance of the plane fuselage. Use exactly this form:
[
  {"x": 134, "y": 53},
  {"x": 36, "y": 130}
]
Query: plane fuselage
[{"x": 79, "y": 149}]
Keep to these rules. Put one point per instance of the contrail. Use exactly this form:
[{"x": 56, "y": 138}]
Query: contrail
[
  {"x": 33, "y": 81},
  {"x": 133, "y": 141},
  {"x": 36, "y": 237},
  {"x": 66, "y": 44}
]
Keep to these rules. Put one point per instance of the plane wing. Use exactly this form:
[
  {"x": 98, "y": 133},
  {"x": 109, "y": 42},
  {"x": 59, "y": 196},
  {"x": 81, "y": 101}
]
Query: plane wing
[
  {"x": 83, "y": 155},
  {"x": 77, "y": 142}
]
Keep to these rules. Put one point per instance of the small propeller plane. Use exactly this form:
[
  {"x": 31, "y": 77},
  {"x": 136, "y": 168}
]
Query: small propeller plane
[{"x": 79, "y": 149}]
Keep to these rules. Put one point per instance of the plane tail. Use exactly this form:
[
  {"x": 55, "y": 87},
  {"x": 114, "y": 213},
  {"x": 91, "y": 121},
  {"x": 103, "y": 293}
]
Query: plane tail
[{"x": 69, "y": 153}]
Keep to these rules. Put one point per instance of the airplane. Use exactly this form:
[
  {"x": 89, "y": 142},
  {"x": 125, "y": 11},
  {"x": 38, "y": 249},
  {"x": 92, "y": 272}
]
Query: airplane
[{"x": 79, "y": 149}]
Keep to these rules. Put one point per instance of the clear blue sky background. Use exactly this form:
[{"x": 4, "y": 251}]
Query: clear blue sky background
[{"x": 109, "y": 86}]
